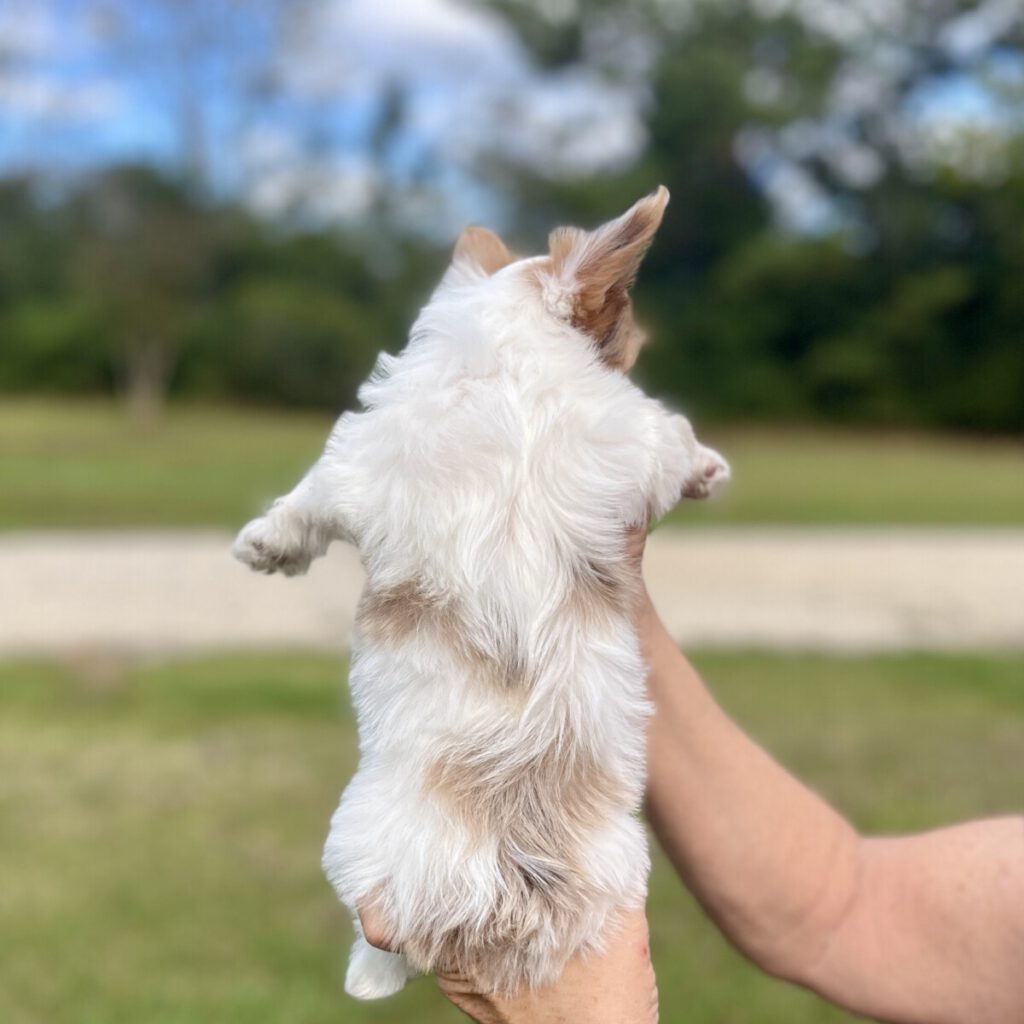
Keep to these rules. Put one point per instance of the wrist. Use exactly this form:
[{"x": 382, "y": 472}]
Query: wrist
[{"x": 645, "y": 618}]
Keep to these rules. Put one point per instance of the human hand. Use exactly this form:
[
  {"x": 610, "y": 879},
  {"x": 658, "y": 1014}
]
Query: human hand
[
  {"x": 617, "y": 987},
  {"x": 645, "y": 617}
]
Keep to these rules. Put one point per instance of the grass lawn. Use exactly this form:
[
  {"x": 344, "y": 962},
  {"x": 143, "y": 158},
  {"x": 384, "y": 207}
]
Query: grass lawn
[
  {"x": 162, "y": 826},
  {"x": 83, "y": 464}
]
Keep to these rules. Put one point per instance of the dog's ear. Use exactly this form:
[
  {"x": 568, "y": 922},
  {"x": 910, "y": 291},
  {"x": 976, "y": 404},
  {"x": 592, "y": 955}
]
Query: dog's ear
[
  {"x": 481, "y": 249},
  {"x": 594, "y": 270}
]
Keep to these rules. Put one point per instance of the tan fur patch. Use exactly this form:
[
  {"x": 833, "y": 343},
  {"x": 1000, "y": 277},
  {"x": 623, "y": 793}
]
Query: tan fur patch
[
  {"x": 390, "y": 616},
  {"x": 542, "y": 806},
  {"x": 484, "y": 248},
  {"x": 535, "y": 813},
  {"x": 393, "y": 616},
  {"x": 601, "y": 591},
  {"x": 538, "y": 812}
]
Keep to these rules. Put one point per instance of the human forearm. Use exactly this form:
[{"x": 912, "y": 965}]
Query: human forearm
[
  {"x": 936, "y": 935},
  {"x": 925, "y": 929},
  {"x": 771, "y": 862}
]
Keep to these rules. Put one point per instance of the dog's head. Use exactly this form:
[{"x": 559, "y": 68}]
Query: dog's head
[
  {"x": 582, "y": 283},
  {"x": 584, "y": 279}
]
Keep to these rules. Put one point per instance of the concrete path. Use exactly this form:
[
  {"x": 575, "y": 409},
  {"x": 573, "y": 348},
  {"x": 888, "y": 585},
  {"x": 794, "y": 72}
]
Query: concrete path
[{"x": 834, "y": 590}]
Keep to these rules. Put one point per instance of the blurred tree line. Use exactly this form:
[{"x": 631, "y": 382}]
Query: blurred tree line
[
  {"x": 133, "y": 283},
  {"x": 818, "y": 260},
  {"x": 821, "y": 257}
]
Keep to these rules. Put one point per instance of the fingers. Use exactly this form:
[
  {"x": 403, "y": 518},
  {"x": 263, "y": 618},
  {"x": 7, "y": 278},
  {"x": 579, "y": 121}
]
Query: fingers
[
  {"x": 375, "y": 929},
  {"x": 636, "y": 539},
  {"x": 616, "y": 987},
  {"x": 482, "y": 1009}
]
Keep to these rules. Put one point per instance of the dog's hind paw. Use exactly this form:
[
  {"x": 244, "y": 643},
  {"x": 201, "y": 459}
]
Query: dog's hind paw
[
  {"x": 373, "y": 973},
  {"x": 269, "y": 545}
]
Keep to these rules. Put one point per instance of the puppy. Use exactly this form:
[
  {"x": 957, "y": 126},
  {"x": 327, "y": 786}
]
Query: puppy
[{"x": 488, "y": 483}]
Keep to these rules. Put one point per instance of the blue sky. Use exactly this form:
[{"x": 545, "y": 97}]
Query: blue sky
[
  {"x": 91, "y": 81},
  {"x": 84, "y": 82}
]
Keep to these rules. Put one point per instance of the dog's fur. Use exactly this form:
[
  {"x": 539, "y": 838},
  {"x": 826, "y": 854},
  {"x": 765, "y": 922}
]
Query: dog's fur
[{"x": 496, "y": 673}]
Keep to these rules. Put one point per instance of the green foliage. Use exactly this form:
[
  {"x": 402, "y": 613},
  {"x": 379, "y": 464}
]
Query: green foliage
[
  {"x": 902, "y": 306},
  {"x": 904, "y": 309},
  {"x": 54, "y": 345},
  {"x": 163, "y": 821},
  {"x": 140, "y": 284},
  {"x": 283, "y": 341}
]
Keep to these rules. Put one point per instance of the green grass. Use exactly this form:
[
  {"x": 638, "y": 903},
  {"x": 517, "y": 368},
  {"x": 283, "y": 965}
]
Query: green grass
[
  {"x": 811, "y": 477},
  {"x": 83, "y": 464},
  {"x": 162, "y": 824}
]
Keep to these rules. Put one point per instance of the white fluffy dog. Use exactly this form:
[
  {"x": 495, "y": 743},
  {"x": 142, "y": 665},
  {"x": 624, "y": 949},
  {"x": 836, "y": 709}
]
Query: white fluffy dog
[{"x": 497, "y": 678}]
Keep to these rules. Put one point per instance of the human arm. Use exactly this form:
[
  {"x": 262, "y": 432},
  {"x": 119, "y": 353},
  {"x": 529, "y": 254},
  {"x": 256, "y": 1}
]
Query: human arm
[{"x": 926, "y": 928}]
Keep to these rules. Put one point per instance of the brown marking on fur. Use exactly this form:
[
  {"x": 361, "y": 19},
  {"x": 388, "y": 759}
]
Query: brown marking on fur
[
  {"x": 393, "y": 616},
  {"x": 539, "y": 812},
  {"x": 601, "y": 591},
  {"x": 605, "y": 263},
  {"x": 390, "y": 617},
  {"x": 534, "y": 813},
  {"x": 541, "y": 805},
  {"x": 484, "y": 248}
]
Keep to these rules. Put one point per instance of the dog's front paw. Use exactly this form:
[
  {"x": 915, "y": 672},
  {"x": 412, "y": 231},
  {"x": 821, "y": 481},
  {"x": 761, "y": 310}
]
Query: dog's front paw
[
  {"x": 269, "y": 544},
  {"x": 711, "y": 473}
]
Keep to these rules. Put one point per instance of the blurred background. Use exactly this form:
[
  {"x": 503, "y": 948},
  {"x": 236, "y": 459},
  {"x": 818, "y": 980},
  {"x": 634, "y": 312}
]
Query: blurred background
[{"x": 215, "y": 213}]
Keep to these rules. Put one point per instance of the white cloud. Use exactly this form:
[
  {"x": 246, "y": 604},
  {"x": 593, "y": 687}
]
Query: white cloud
[
  {"x": 845, "y": 21},
  {"x": 28, "y": 32},
  {"x": 341, "y": 45},
  {"x": 857, "y": 165},
  {"x": 798, "y": 201},
  {"x": 281, "y": 182},
  {"x": 267, "y": 146},
  {"x": 469, "y": 89},
  {"x": 34, "y": 43},
  {"x": 469, "y": 84},
  {"x": 42, "y": 96},
  {"x": 975, "y": 31},
  {"x": 572, "y": 123}
]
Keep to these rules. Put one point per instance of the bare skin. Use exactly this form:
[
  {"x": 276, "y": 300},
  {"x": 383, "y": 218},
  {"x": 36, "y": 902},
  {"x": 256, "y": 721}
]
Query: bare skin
[
  {"x": 925, "y": 929},
  {"x": 618, "y": 986}
]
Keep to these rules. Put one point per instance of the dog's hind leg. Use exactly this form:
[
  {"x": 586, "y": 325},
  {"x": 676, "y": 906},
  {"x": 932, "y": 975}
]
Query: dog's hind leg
[{"x": 374, "y": 973}]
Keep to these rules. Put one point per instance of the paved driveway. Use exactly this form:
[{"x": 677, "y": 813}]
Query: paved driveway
[{"x": 853, "y": 590}]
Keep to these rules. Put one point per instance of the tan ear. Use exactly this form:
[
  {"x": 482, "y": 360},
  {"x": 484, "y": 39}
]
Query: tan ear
[
  {"x": 483, "y": 249},
  {"x": 597, "y": 269}
]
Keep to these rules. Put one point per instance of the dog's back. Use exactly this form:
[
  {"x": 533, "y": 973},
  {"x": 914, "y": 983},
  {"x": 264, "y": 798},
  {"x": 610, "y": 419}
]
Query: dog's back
[{"x": 495, "y": 674}]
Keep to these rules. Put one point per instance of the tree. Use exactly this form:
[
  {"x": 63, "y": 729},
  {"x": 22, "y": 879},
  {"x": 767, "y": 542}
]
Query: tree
[
  {"x": 828, "y": 251},
  {"x": 142, "y": 251}
]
